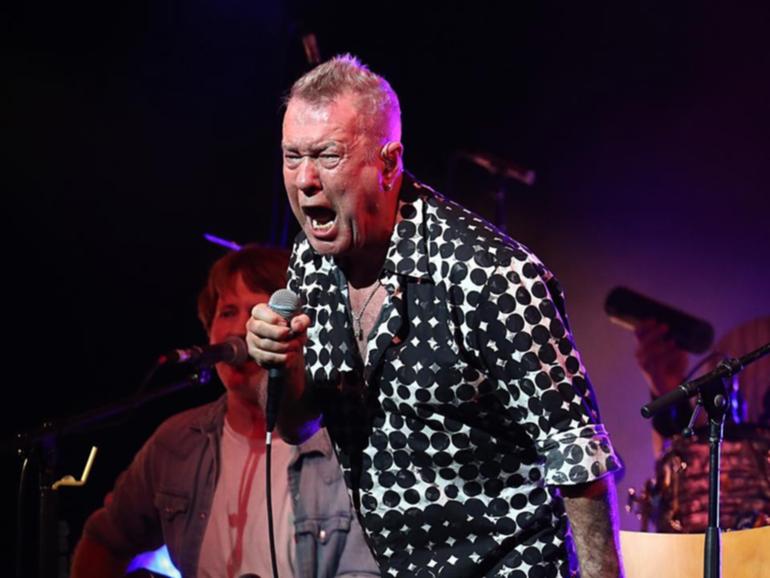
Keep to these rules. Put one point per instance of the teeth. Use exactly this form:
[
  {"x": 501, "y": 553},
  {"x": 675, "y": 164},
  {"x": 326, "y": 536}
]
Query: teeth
[{"x": 322, "y": 226}]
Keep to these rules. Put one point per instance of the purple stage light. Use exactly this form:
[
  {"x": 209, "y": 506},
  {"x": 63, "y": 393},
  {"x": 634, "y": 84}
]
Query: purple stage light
[
  {"x": 155, "y": 561},
  {"x": 222, "y": 242}
]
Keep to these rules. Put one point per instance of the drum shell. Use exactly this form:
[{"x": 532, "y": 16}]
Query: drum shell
[{"x": 681, "y": 482}]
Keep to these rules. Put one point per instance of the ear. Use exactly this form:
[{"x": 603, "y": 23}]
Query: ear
[{"x": 391, "y": 154}]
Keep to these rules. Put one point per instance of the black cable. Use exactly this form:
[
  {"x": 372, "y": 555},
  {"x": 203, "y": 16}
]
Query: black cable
[{"x": 269, "y": 501}]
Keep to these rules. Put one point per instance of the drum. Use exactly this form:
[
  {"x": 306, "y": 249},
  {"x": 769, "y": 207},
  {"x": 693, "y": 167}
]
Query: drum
[{"x": 679, "y": 492}]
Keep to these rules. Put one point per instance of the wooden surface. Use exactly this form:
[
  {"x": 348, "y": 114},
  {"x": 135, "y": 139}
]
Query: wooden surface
[{"x": 745, "y": 554}]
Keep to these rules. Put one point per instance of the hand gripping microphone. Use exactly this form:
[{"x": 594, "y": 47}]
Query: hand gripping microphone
[{"x": 286, "y": 304}]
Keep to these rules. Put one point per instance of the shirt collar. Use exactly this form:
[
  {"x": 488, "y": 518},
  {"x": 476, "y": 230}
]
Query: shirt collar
[
  {"x": 408, "y": 250},
  {"x": 213, "y": 416}
]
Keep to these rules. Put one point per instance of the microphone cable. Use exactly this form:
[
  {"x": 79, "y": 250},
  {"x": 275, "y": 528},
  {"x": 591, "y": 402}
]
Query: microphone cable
[
  {"x": 269, "y": 500},
  {"x": 286, "y": 304}
]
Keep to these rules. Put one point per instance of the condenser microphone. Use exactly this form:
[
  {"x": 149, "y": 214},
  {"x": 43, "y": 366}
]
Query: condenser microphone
[
  {"x": 286, "y": 304},
  {"x": 628, "y": 308},
  {"x": 232, "y": 351}
]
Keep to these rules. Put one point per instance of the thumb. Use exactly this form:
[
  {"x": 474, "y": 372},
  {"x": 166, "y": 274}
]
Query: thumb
[{"x": 300, "y": 323}]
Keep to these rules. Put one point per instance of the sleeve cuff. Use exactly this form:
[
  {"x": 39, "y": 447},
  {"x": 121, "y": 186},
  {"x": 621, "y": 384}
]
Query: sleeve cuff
[{"x": 579, "y": 455}]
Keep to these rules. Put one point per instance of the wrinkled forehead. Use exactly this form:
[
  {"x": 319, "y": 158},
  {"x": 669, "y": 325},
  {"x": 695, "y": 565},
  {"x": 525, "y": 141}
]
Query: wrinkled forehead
[
  {"x": 303, "y": 111},
  {"x": 331, "y": 118}
]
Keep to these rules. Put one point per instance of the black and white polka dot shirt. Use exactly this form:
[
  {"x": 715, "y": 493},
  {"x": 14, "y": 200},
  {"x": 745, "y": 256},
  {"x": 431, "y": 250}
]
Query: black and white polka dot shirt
[{"x": 472, "y": 403}]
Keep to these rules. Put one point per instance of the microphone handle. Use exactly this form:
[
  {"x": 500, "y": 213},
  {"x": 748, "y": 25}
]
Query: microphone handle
[
  {"x": 673, "y": 397},
  {"x": 275, "y": 385}
]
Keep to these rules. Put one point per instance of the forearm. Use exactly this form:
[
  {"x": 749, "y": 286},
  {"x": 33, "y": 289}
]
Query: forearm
[
  {"x": 592, "y": 512},
  {"x": 93, "y": 560},
  {"x": 274, "y": 344}
]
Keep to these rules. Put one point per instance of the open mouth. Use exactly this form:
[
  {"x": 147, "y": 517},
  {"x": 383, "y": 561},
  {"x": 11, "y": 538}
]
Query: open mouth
[{"x": 321, "y": 219}]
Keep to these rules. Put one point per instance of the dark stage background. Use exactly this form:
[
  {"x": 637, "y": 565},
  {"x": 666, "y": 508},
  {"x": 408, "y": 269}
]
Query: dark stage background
[{"x": 133, "y": 128}]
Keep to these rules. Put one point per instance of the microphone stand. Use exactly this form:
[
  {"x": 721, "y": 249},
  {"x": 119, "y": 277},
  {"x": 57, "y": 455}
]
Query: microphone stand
[
  {"x": 42, "y": 443},
  {"x": 711, "y": 390},
  {"x": 503, "y": 171},
  {"x": 501, "y": 212}
]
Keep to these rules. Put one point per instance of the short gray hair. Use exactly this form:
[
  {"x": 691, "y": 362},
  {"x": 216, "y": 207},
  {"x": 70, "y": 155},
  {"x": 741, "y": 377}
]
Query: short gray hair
[{"x": 377, "y": 101}]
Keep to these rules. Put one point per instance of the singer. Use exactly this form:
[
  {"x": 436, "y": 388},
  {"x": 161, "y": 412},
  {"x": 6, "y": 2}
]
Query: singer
[
  {"x": 198, "y": 484},
  {"x": 438, "y": 352}
]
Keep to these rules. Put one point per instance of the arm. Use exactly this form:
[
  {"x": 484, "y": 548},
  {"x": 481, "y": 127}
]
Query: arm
[
  {"x": 567, "y": 430},
  {"x": 663, "y": 363},
  {"x": 93, "y": 560},
  {"x": 555, "y": 402},
  {"x": 592, "y": 512},
  {"x": 664, "y": 366}
]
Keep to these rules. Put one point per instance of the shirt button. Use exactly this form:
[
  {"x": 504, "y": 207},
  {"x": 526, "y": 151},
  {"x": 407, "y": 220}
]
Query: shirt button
[
  {"x": 203, "y": 515},
  {"x": 322, "y": 535}
]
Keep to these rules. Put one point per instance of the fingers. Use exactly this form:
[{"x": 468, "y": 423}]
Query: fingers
[
  {"x": 300, "y": 324},
  {"x": 270, "y": 340},
  {"x": 262, "y": 312}
]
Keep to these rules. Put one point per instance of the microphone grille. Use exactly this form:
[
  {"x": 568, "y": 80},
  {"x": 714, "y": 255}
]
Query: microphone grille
[
  {"x": 284, "y": 302},
  {"x": 239, "y": 351}
]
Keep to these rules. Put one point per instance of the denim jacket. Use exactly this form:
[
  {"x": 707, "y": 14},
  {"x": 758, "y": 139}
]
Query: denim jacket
[{"x": 165, "y": 496}]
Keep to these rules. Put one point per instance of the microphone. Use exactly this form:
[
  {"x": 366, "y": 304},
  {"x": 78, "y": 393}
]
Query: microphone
[
  {"x": 498, "y": 166},
  {"x": 628, "y": 308},
  {"x": 286, "y": 303},
  {"x": 232, "y": 350}
]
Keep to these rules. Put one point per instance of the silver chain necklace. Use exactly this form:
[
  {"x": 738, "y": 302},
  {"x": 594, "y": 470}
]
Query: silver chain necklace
[{"x": 358, "y": 330}]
